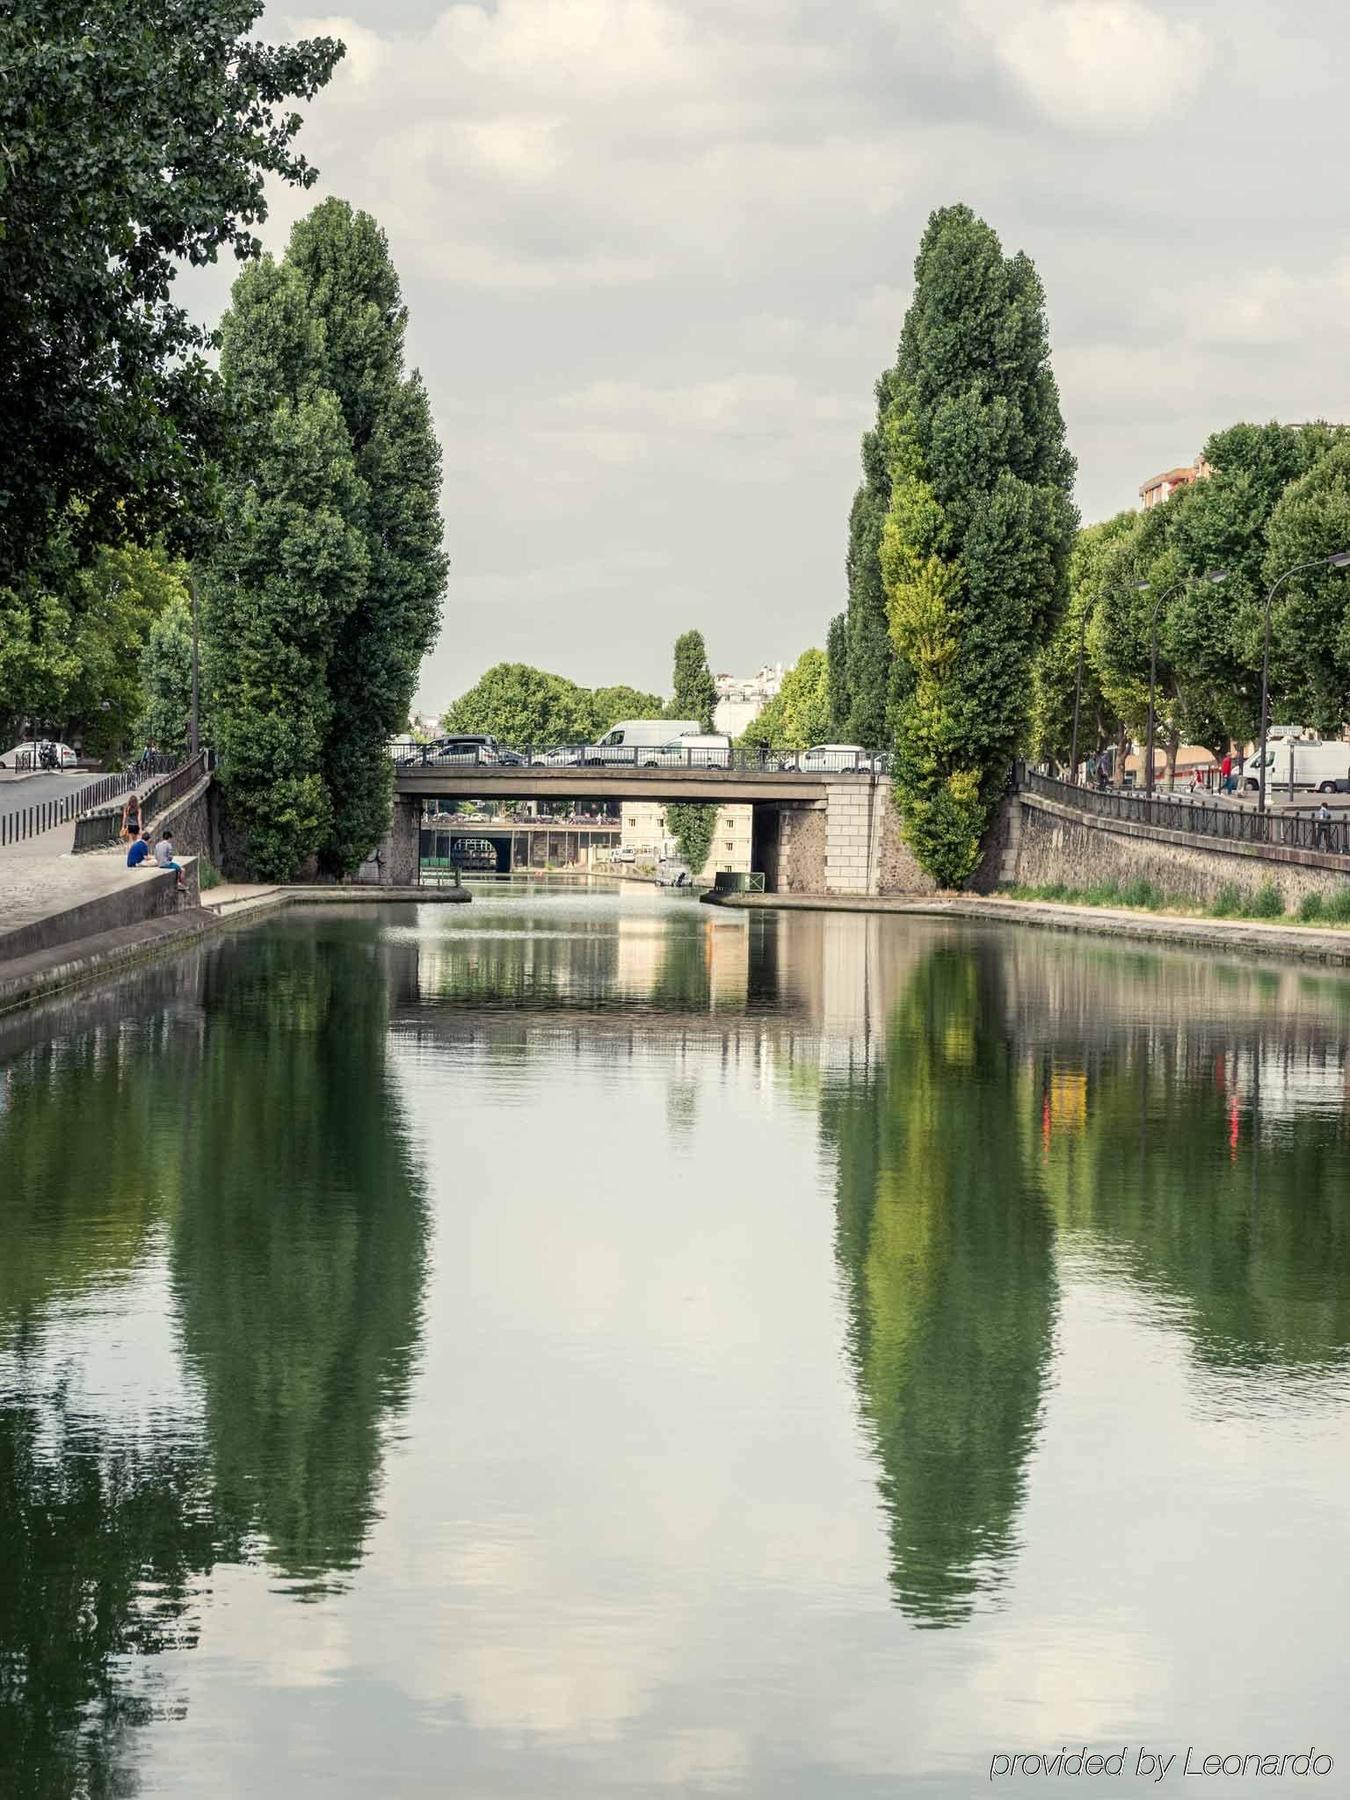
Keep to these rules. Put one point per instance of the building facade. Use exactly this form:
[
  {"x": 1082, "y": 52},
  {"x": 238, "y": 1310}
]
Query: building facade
[
  {"x": 1162, "y": 487},
  {"x": 645, "y": 831},
  {"x": 741, "y": 699}
]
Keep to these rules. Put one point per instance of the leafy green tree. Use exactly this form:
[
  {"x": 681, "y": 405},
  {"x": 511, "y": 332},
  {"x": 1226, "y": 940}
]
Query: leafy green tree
[
  {"x": 610, "y": 704},
  {"x": 799, "y": 713},
  {"x": 166, "y": 678},
  {"x": 1055, "y": 675},
  {"x": 977, "y": 536},
  {"x": 136, "y": 136},
  {"x": 1310, "y": 622},
  {"x": 1214, "y": 636},
  {"x": 873, "y": 677},
  {"x": 836, "y": 651},
  {"x": 287, "y": 571},
  {"x": 121, "y": 594},
  {"x": 352, "y": 289},
  {"x": 523, "y": 705},
  {"x": 71, "y": 645},
  {"x": 695, "y": 693},
  {"x": 38, "y": 659},
  {"x": 692, "y": 823}
]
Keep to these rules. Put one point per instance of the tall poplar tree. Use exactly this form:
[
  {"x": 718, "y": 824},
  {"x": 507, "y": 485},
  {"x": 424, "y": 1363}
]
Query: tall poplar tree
[
  {"x": 287, "y": 570},
  {"x": 871, "y": 656},
  {"x": 695, "y": 693},
  {"x": 324, "y": 585},
  {"x": 836, "y": 649},
  {"x": 352, "y": 288},
  {"x": 977, "y": 535}
]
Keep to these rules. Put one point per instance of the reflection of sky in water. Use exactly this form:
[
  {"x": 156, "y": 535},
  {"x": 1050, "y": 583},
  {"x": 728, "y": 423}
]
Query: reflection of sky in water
[{"x": 639, "y": 1518}]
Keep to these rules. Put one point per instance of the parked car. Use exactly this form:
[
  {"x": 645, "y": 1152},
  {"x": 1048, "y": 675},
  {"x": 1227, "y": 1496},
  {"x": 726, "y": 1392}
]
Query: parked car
[
  {"x": 46, "y": 753},
  {"x": 834, "y": 759},
  {"x": 463, "y": 747}
]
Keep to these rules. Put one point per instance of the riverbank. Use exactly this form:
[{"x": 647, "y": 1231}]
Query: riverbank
[
  {"x": 24, "y": 980},
  {"x": 1251, "y": 936}
]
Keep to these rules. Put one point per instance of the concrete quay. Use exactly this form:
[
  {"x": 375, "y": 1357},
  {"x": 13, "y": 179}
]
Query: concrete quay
[{"x": 1255, "y": 937}]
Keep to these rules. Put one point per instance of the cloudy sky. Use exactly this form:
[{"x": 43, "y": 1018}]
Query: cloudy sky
[{"x": 656, "y": 252}]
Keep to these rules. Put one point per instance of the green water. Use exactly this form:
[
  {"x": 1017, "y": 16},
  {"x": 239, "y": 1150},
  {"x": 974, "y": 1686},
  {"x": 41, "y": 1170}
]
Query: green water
[{"x": 589, "y": 1344}]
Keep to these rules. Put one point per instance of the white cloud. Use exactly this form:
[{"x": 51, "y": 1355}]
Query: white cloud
[
  {"x": 1102, "y": 65},
  {"x": 656, "y": 253}
]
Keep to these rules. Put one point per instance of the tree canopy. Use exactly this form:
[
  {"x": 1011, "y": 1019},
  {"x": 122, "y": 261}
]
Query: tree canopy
[
  {"x": 321, "y": 590},
  {"x": 137, "y": 135},
  {"x": 695, "y": 694},
  {"x": 799, "y": 713},
  {"x": 352, "y": 292},
  {"x": 978, "y": 531}
]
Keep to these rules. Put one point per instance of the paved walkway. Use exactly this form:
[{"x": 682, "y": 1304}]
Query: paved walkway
[
  {"x": 40, "y": 875},
  {"x": 19, "y": 791}
]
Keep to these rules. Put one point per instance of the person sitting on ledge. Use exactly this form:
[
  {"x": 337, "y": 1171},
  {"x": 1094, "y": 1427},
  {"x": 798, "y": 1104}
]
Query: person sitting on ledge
[
  {"x": 164, "y": 858},
  {"x": 140, "y": 849}
]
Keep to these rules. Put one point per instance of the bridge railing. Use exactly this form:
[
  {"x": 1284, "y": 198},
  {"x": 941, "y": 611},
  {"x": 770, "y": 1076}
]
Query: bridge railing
[
  {"x": 44, "y": 815},
  {"x": 1228, "y": 822},
  {"x": 732, "y": 759},
  {"x": 95, "y": 830}
]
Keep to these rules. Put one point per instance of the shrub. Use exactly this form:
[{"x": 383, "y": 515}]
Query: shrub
[
  {"x": 1310, "y": 909},
  {"x": 1266, "y": 903},
  {"x": 1227, "y": 903}
]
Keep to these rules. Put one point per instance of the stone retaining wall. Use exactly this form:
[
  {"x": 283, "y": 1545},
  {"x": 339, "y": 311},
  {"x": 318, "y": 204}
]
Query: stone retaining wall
[
  {"x": 1058, "y": 845},
  {"x": 140, "y": 897}
]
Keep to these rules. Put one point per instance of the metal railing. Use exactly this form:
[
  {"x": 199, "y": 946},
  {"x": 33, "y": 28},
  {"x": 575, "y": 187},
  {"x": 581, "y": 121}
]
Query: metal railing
[
  {"x": 1230, "y": 822},
  {"x": 96, "y": 829},
  {"x": 738, "y": 881},
  {"x": 734, "y": 758},
  {"x": 44, "y": 815}
]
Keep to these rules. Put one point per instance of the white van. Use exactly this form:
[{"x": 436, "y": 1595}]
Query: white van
[
  {"x": 1319, "y": 766},
  {"x": 641, "y": 742}
]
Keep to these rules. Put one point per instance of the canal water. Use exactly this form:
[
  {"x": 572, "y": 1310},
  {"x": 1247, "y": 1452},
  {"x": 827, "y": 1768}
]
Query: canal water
[{"x": 593, "y": 1344}]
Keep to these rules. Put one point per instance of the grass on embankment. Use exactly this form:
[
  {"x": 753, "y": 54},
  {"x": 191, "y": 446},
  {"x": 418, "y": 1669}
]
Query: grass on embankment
[{"x": 1231, "y": 901}]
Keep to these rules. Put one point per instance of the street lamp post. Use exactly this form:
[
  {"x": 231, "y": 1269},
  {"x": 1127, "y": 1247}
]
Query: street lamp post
[
  {"x": 1143, "y": 587},
  {"x": 1338, "y": 559}
]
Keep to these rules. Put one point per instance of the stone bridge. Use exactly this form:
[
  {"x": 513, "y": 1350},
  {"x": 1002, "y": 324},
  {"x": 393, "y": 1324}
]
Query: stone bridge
[{"x": 813, "y": 832}]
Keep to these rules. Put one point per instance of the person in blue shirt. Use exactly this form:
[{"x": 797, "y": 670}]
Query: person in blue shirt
[{"x": 140, "y": 849}]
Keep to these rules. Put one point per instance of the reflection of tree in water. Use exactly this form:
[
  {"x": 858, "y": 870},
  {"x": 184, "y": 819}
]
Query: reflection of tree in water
[
  {"x": 100, "y": 1545},
  {"x": 299, "y": 1254},
  {"x": 264, "y": 1134},
  {"x": 1244, "y": 1218},
  {"x": 681, "y": 980},
  {"x": 946, "y": 1247},
  {"x": 81, "y": 1190}
]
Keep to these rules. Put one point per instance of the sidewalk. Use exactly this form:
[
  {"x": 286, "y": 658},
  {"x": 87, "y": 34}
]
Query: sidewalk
[{"x": 41, "y": 875}]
